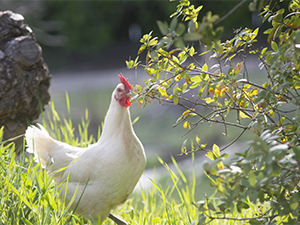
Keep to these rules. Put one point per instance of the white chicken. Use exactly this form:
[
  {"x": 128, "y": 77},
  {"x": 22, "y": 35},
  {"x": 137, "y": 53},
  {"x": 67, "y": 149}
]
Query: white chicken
[{"x": 104, "y": 173}]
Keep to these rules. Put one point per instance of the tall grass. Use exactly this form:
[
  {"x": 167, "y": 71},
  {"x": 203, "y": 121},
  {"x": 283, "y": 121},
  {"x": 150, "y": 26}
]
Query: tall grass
[{"x": 29, "y": 196}]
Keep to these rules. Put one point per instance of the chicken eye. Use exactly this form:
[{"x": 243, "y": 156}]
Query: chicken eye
[{"x": 119, "y": 90}]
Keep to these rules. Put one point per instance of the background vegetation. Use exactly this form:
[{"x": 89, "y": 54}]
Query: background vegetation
[{"x": 76, "y": 32}]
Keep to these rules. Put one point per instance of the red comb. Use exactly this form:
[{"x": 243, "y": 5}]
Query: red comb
[{"x": 125, "y": 82}]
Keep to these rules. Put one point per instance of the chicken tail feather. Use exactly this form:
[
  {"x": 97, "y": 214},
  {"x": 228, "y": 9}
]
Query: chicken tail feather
[{"x": 40, "y": 143}]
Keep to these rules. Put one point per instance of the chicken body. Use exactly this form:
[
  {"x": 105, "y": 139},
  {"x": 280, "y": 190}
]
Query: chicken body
[{"x": 104, "y": 173}]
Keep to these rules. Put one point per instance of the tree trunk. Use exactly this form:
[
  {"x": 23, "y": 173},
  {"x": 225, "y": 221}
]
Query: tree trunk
[{"x": 24, "y": 77}]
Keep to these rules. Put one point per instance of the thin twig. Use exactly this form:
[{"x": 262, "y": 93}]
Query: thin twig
[
  {"x": 243, "y": 219},
  {"x": 234, "y": 140},
  {"x": 230, "y": 12}
]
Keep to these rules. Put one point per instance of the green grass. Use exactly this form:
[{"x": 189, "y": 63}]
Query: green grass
[{"x": 28, "y": 195}]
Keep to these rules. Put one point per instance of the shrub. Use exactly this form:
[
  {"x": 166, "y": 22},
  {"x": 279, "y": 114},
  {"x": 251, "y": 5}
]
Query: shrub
[{"x": 267, "y": 173}]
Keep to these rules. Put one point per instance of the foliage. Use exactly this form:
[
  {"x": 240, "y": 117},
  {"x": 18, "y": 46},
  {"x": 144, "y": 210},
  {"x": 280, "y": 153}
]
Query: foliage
[{"x": 267, "y": 172}]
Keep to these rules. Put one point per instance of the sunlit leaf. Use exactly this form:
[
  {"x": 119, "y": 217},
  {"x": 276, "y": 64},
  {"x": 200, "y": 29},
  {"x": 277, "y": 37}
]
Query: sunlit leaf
[
  {"x": 216, "y": 150},
  {"x": 281, "y": 121},
  {"x": 272, "y": 113},
  {"x": 243, "y": 115},
  {"x": 183, "y": 147},
  {"x": 205, "y": 67},
  {"x": 163, "y": 92},
  {"x": 141, "y": 49},
  {"x": 192, "y": 51},
  {"x": 209, "y": 100},
  {"x": 210, "y": 155},
  {"x": 198, "y": 139},
  {"x": 203, "y": 146}
]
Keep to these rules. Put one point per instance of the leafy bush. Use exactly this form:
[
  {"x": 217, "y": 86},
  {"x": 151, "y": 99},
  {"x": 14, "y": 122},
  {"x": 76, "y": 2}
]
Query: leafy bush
[{"x": 267, "y": 173}]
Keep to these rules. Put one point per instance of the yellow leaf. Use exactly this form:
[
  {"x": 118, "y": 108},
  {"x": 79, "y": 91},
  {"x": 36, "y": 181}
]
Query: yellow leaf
[
  {"x": 178, "y": 77},
  {"x": 203, "y": 146},
  {"x": 220, "y": 165},
  {"x": 243, "y": 115},
  {"x": 196, "y": 79},
  {"x": 209, "y": 100},
  {"x": 185, "y": 124},
  {"x": 254, "y": 92},
  {"x": 163, "y": 92},
  {"x": 272, "y": 113},
  {"x": 216, "y": 150},
  {"x": 192, "y": 51},
  {"x": 238, "y": 67},
  {"x": 205, "y": 67},
  {"x": 210, "y": 155},
  {"x": 197, "y": 139}
]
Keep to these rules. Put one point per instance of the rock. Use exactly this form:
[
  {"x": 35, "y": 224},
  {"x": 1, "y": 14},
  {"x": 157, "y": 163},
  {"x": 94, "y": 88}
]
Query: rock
[{"x": 24, "y": 77}]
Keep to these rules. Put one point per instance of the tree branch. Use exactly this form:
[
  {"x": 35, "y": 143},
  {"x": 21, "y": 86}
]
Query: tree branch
[
  {"x": 234, "y": 140},
  {"x": 230, "y": 12}
]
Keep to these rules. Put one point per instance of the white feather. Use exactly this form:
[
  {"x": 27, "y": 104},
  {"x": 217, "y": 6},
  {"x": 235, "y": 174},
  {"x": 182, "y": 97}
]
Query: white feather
[{"x": 108, "y": 170}]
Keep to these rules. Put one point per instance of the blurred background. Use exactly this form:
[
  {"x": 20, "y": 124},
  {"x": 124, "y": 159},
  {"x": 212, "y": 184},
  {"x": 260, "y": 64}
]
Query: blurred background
[
  {"x": 86, "y": 43},
  {"x": 102, "y": 34}
]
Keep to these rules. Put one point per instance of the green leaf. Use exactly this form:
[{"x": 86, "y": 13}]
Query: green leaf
[
  {"x": 163, "y": 27},
  {"x": 274, "y": 46},
  {"x": 224, "y": 155},
  {"x": 294, "y": 202},
  {"x": 173, "y": 24},
  {"x": 180, "y": 29},
  {"x": 261, "y": 196},
  {"x": 281, "y": 121},
  {"x": 179, "y": 43},
  {"x": 241, "y": 205},
  {"x": 255, "y": 222},
  {"x": 175, "y": 100},
  {"x": 154, "y": 55},
  {"x": 252, "y": 179},
  {"x": 192, "y": 37}
]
